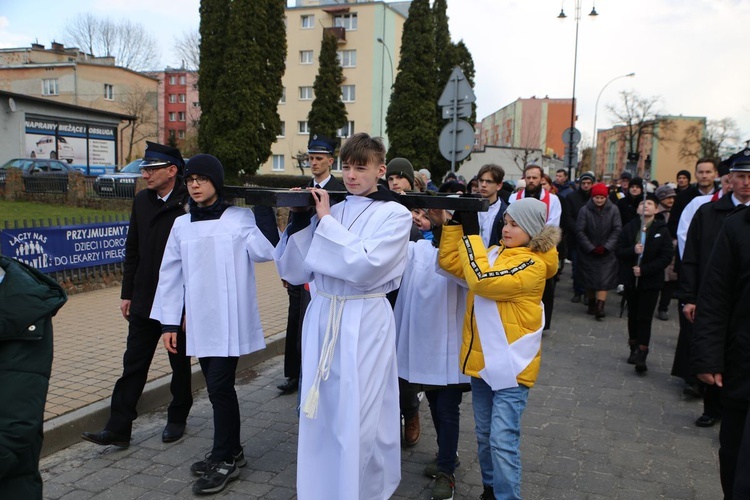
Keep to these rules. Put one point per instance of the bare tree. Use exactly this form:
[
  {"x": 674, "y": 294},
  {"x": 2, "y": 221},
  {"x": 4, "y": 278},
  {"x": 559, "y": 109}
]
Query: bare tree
[
  {"x": 140, "y": 103},
  {"x": 639, "y": 117},
  {"x": 129, "y": 43},
  {"x": 718, "y": 138},
  {"x": 187, "y": 48}
]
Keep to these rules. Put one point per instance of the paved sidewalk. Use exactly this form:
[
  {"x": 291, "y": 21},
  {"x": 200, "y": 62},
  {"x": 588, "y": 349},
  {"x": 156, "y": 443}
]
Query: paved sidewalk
[{"x": 593, "y": 429}]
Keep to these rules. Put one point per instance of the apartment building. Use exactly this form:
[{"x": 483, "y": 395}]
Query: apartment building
[
  {"x": 369, "y": 36},
  {"x": 664, "y": 150},
  {"x": 179, "y": 108},
  {"x": 533, "y": 123},
  {"x": 68, "y": 75}
]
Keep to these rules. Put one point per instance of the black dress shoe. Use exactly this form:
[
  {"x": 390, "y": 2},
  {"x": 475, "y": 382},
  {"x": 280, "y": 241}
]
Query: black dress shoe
[
  {"x": 706, "y": 421},
  {"x": 289, "y": 386},
  {"x": 172, "y": 432},
  {"x": 107, "y": 438}
]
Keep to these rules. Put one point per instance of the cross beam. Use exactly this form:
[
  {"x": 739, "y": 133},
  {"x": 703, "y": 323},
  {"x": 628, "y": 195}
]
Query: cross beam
[{"x": 286, "y": 198}]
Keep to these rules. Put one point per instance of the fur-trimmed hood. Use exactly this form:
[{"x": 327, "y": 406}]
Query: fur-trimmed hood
[{"x": 546, "y": 240}]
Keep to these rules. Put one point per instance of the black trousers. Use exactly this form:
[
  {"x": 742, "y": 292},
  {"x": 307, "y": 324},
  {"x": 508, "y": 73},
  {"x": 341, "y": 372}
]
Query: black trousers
[
  {"x": 548, "y": 299},
  {"x": 734, "y": 449},
  {"x": 408, "y": 398},
  {"x": 641, "y": 306},
  {"x": 220, "y": 374},
  {"x": 144, "y": 335},
  {"x": 666, "y": 295},
  {"x": 299, "y": 298}
]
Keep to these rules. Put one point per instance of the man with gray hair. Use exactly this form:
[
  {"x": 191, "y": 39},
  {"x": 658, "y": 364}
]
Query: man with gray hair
[{"x": 427, "y": 178}]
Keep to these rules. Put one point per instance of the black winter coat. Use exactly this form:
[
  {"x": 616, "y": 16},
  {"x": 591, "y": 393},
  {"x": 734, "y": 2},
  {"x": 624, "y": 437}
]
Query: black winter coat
[
  {"x": 682, "y": 200},
  {"x": 704, "y": 229},
  {"x": 628, "y": 208},
  {"x": 721, "y": 336},
  {"x": 28, "y": 300},
  {"x": 596, "y": 227},
  {"x": 657, "y": 254},
  {"x": 571, "y": 207},
  {"x": 150, "y": 223}
]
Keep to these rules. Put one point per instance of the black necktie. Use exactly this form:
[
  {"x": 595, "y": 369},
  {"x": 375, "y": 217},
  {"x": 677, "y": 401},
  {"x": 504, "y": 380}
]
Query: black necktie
[{"x": 317, "y": 186}]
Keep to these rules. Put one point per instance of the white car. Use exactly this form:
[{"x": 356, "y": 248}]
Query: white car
[{"x": 45, "y": 148}]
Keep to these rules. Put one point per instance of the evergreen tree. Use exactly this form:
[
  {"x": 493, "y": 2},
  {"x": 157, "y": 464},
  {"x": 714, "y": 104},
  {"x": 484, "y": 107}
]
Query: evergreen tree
[
  {"x": 448, "y": 55},
  {"x": 328, "y": 112},
  {"x": 410, "y": 122},
  {"x": 245, "y": 56}
]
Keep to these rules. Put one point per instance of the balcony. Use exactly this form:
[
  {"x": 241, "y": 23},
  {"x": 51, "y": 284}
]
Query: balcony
[{"x": 339, "y": 33}]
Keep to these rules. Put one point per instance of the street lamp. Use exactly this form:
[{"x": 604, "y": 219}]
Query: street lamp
[
  {"x": 571, "y": 143},
  {"x": 382, "y": 85},
  {"x": 596, "y": 111}
]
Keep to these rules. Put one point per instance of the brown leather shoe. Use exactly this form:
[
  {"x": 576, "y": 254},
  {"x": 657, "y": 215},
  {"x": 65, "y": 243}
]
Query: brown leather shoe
[{"x": 412, "y": 431}]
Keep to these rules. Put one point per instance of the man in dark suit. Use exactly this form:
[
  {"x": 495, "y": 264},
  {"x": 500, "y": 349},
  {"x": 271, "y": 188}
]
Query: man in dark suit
[
  {"x": 320, "y": 152},
  {"x": 154, "y": 211}
]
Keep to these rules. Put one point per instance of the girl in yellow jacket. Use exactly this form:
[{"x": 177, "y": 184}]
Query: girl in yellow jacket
[{"x": 502, "y": 332}]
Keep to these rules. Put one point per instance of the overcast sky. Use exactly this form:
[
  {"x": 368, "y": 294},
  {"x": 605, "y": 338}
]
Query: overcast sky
[{"x": 691, "y": 54}]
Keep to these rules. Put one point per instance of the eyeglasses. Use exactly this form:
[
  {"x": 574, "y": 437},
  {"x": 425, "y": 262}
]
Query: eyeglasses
[
  {"x": 486, "y": 181},
  {"x": 200, "y": 179},
  {"x": 151, "y": 170}
]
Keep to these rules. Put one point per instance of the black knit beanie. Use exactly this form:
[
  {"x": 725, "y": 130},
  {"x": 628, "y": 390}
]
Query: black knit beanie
[{"x": 207, "y": 165}]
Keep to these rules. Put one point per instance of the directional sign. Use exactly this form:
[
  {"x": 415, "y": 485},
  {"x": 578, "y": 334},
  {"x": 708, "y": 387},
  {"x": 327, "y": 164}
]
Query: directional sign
[
  {"x": 463, "y": 110},
  {"x": 452, "y": 95},
  {"x": 459, "y": 133},
  {"x": 575, "y": 139}
]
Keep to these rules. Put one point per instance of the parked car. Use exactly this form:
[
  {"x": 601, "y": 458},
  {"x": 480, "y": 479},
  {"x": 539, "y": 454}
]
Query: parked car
[
  {"x": 40, "y": 175},
  {"x": 120, "y": 184},
  {"x": 45, "y": 148}
]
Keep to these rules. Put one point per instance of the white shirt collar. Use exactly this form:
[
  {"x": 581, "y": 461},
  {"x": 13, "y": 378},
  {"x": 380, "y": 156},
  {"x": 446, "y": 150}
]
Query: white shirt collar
[
  {"x": 323, "y": 183},
  {"x": 165, "y": 198}
]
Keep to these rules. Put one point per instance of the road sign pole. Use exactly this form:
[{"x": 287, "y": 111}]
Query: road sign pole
[{"x": 455, "y": 125}]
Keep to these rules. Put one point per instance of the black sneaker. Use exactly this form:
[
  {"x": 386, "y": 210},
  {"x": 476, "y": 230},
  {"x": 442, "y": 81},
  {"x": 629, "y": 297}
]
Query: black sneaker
[
  {"x": 200, "y": 468},
  {"x": 487, "y": 494},
  {"x": 216, "y": 478}
]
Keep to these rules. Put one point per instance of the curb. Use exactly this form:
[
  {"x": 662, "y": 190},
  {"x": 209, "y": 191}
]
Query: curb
[{"x": 65, "y": 430}]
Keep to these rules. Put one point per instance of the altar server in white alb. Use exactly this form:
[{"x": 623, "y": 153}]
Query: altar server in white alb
[
  {"x": 349, "y": 432},
  {"x": 207, "y": 271},
  {"x": 502, "y": 331},
  {"x": 429, "y": 314}
]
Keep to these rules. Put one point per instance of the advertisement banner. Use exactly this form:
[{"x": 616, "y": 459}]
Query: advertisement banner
[
  {"x": 66, "y": 247},
  {"x": 75, "y": 143}
]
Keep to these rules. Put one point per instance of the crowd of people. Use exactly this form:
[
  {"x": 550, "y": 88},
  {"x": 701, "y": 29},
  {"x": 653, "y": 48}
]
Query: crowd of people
[{"x": 359, "y": 274}]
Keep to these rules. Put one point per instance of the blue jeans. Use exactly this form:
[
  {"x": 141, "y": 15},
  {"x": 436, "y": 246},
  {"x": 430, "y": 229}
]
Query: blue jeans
[{"x": 497, "y": 419}]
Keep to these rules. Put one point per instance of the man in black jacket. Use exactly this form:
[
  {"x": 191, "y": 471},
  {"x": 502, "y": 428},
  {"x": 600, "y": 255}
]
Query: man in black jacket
[
  {"x": 320, "y": 152},
  {"x": 720, "y": 351},
  {"x": 154, "y": 211},
  {"x": 706, "y": 173}
]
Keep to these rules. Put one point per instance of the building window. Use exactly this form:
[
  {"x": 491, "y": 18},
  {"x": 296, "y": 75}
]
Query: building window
[
  {"x": 348, "y": 93},
  {"x": 109, "y": 92},
  {"x": 283, "y": 96},
  {"x": 182, "y": 116},
  {"x": 172, "y": 117},
  {"x": 171, "y": 133},
  {"x": 348, "y": 58},
  {"x": 336, "y": 167},
  {"x": 305, "y": 56},
  {"x": 303, "y": 127},
  {"x": 181, "y": 134},
  {"x": 346, "y": 21},
  {"x": 172, "y": 80},
  {"x": 196, "y": 104},
  {"x": 172, "y": 98},
  {"x": 308, "y": 21},
  {"x": 182, "y": 80},
  {"x": 50, "y": 86},
  {"x": 181, "y": 97},
  {"x": 305, "y": 93},
  {"x": 346, "y": 131},
  {"x": 278, "y": 163},
  {"x": 282, "y": 133}
]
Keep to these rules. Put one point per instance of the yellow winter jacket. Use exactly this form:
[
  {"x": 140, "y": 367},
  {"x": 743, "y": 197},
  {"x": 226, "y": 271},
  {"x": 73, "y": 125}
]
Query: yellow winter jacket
[{"x": 515, "y": 282}]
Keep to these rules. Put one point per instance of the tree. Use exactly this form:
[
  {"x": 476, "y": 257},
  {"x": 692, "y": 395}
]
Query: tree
[
  {"x": 141, "y": 104},
  {"x": 243, "y": 46},
  {"x": 187, "y": 49},
  {"x": 640, "y": 119},
  {"x": 328, "y": 112},
  {"x": 718, "y": 138},
  {"x": 410, "y": 121},
  {"x": 129, "y": 43}
]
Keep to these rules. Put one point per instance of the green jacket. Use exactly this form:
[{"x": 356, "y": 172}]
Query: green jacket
[{"x": 28, "y": 300}]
